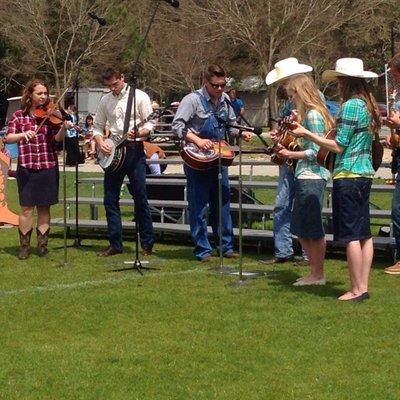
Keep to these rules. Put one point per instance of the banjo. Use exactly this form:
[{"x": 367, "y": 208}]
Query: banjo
[{"x": 112, "y": 162}]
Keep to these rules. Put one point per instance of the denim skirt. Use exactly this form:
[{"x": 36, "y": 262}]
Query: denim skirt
[
  {"x": 307, "y": 208},
  {"x": 37, "y": 187},
  {"x": 350, "y": 209}
]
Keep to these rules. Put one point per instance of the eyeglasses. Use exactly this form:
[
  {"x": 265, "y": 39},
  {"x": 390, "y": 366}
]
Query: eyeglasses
[{"x": 218, "y": 85}]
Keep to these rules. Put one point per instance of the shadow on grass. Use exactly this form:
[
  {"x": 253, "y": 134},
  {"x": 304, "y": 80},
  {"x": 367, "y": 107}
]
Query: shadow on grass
[
  {"x": 286, "y": 278},
  {"x": 11, "y": 250}
]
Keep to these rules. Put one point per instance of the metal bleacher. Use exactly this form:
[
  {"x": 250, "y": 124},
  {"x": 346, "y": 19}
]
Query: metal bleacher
[{"x": 170, "y": 215}]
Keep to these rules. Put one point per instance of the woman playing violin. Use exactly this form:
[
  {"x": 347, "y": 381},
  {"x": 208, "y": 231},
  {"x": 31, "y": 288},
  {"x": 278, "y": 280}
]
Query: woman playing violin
[{"x": 37, "y": 171}]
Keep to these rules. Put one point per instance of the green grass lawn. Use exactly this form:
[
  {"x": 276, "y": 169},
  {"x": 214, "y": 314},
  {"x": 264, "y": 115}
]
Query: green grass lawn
[{"x": 86, "y": 331}]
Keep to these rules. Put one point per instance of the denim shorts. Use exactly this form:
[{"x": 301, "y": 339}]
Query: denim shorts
[
  {"x": 350, "y": 209},
  {"x": 307, "y": 208}
]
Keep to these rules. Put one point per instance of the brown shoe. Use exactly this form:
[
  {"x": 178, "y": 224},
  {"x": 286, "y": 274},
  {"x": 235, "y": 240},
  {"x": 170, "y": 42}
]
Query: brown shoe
[
  {"x": 206, "y": 258},
  {"x": 394, "y": 269},
  {"x": 109, "y": 251},
  {"x": 232, "y": 255},
  {"x": 147, "y": 251}
]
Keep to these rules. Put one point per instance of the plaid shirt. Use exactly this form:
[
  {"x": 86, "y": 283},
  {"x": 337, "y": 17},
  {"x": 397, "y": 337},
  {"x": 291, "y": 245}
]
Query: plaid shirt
[
  {"x": 39, "y": 153},
  {"x": 314, "y": 122},
  {"x": 354, "y": 135}
]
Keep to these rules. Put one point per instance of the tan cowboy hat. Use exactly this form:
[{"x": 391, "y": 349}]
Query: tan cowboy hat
[
  {"x": 353, "y": 67},
  {"x": 285, "y": 68}
]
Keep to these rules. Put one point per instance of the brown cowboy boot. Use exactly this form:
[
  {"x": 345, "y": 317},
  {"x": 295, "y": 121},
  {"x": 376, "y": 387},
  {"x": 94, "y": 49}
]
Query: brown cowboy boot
[
  {"x": 42, "y": 239},
  {"x": 24, "y": 240}
]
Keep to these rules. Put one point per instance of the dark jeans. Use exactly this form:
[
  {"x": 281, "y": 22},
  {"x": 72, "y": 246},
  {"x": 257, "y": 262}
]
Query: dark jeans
[
  {"x": 396, "y": 202},
  {"x": 134, "y": 167}
]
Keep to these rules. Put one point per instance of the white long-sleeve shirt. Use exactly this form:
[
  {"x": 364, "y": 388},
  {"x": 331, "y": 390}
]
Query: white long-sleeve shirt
[{"x": 112, "y": 109}]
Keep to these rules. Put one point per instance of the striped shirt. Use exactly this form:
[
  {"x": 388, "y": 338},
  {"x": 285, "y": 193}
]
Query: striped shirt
[
  {"x": 354, "y": 136},
  {"x": 39, "y": 152},
  {"x": 308, "y": 167}
]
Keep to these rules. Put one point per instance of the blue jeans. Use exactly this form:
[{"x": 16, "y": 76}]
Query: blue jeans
[
  {"x": 396, "y": 214},
  {"x": 134, "y": 167},
  {"x": 202, "y": 189},
  {"x": 282, "y": 213}
]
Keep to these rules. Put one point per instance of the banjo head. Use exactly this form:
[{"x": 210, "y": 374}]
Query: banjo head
[{"x": 105, "y": 160}]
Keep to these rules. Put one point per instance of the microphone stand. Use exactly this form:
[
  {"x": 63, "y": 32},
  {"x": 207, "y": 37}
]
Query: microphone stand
[
  {"x": 77, "y": 241},
  {"x": 65, "y": 260},
  {"x": 251, "y": 274},
  {"x": 221, "y": 268},
  {"x": 132, "y": 81}
]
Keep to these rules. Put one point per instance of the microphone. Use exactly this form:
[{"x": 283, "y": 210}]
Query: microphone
[
  {"x": 100, "y": 20},
  {"x": 174, "y": 3},
  {"x": 257, "y": 130}
]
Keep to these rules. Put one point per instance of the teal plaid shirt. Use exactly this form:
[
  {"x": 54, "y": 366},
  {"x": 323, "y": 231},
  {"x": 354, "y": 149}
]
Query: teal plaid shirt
[
  {"x": 314, "y": 122},
  {"x": 354, "y": 135}
]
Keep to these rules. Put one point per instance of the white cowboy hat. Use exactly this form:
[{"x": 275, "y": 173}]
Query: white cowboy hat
[
  {"x": 353, "y": 67},
  {"x": 285, "y": 68}
]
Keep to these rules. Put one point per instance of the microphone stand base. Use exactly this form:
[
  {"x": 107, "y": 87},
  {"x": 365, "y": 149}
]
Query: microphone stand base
[
  {"x": 78, "y": 244},
  {"x": 136, "y": 265}
]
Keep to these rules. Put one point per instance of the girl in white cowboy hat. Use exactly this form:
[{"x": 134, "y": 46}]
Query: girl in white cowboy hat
[
  {"x": 310, "y": 178},
  {"x": 356, "y": 124},
  {"x": 283, "y": 244}
]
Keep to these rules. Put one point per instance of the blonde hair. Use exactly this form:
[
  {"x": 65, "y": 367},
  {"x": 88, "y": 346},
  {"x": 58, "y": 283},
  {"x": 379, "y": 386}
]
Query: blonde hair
[{"x": 310, "y": 99}]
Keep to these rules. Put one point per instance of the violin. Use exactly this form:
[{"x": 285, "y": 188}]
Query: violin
[{"x": 51, "y": 112}]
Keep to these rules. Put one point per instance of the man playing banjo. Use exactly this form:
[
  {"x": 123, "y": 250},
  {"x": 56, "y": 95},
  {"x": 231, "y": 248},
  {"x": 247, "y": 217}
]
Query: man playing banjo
[
  {"x": 200, "y": 119},
  {"x": 112, "y": 109}
]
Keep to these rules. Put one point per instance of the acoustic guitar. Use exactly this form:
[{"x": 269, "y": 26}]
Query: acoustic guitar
[
  {"x": 202, "y": 160},
  {"x": 326, "y": 158},
  {"x": 287, "y": 140}
]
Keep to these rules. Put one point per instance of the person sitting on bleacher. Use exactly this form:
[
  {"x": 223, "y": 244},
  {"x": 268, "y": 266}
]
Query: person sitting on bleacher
[{"x": 154, "y": 153}]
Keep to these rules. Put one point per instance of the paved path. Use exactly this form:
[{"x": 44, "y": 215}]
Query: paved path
[{"x": 258, "y": 170}]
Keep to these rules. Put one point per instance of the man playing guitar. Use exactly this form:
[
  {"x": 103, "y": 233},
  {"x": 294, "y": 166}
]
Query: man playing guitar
[
  {"x": 200, "y": 119},
  {"x": 111, "y": 109}
]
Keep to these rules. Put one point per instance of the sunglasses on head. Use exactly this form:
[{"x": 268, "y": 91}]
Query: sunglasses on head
[{"x": 218, "y": 85}]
